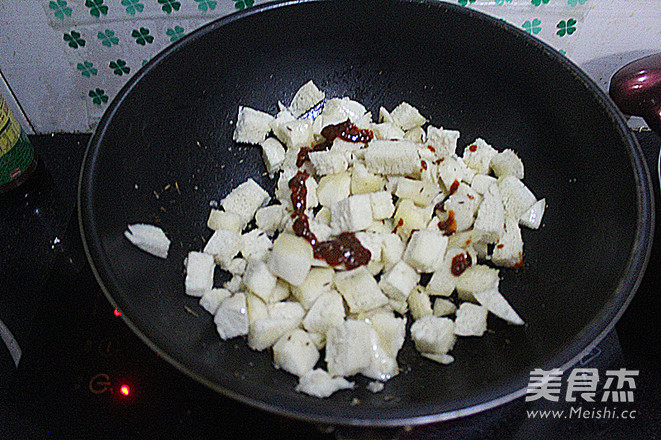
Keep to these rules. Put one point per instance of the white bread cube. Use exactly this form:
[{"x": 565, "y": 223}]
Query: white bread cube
[
  {"x": 270, "y": 218},
  {"x": 281, "y": 291},
  {"x": 235, "y": 284},
  {"x": 259, "y": 280},
  {"x": 490, "y": 219},
  {"x": 199, "y": 273},
  {"x": 245, "y": 199},
  {"x": 443, "y": 282},
  {"x": 237, "y": 266},
  {"x": 290, "y": 258},
  {"x": 443, "y": 307},
  {"x": 401, "y": 307},
  {"x": 295, "y": 134},
  {"x": 338, "y": 110},
  {"x": 419, "y": 304},
  {"x": 496, "y": 303},
  {"x": 387, "y": 131},
  {"x": 478, "y": 155},
  {"x": 421, "y": 192},
  {"x": 399, "y": 281},
  {"x": 266, "y": 332},
  {"x": 255, "y": 245},
  {"x": 322, "y": 231},
  {"x": 482, "y": 182},
  {"x": 149, "y": 238},
  {"x": 471, "y": 320},
  {"x": 444, "y": 359},
  {"x": 252, "y": 126},
  {"x": 333, "y": 188},
  {"x": 384, "y": 115},
  {"x": 381, "y": 204},
  {"x": 283, "y": 193},
  {"x": 407, "y": 117},
  {"x": 283, "y": 116},
  {"x": 345, "y": 148},
  {"x": 351, "y": 214},
  {"x": 326, "y": 312},
  {"x": 532, "y": 218},
  {"x": 323, "y": 216},
  {"x": 517, "y": 198},
  {"x": 382, "y": 366},
  {"x": 348, "y": 348},
  {"x": 318, "y": 281},
  {"x": 328, "y": 162},
  {"x": 273, "y": 154},
  {"x": 223, "y": 245},
  {"x": 256, "y": 308},
  {"x": 509, "y": 249},
  {"x": 231, "y": 318},
  {"x": 225, "y": 220},
  {"x": 373, "y": 242},
  {"x": 443, "y": 141},
  {"x": 450, "y": 170},
  {"x": 416, "y": 134},
  {"x": 212, "y": 298},
  {"x": 362, "y": 181},
  {"x": 409, "y": 217},
  {"x": 432, "y": 334},
  {"x": 476, "y": 278},
  {"x": 392, "y": 249},
  {"x": 295, "y": 353},
  {"x": 305, "y": 98},
  {"x": 464, "y": 203},
  {"x": 360, "y": 290},
  {"x": 318, "y": 339},
  {"x": 364, "y": 122},
  {"x": 426, "y": 250},
  {"x": 390, "y": 330},
  {"x": 507, "y": 163},
  {"x": 397, "y": 158},
  {"x": 319, "y": 383}
]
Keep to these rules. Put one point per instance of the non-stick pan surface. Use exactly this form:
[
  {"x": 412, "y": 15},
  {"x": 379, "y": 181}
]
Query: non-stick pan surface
[{"x": 172, "y": 125}]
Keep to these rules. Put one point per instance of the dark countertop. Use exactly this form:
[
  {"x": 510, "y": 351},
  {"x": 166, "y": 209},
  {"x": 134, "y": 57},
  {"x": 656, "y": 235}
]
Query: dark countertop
[{"x": 47, "y": 223}]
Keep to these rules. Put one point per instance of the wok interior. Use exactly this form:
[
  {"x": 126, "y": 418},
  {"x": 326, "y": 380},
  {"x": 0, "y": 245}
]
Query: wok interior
[{"x": 463, "y": 72}]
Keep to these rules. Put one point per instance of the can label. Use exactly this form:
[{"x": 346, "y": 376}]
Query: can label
[{"x": 16, "y": 152}]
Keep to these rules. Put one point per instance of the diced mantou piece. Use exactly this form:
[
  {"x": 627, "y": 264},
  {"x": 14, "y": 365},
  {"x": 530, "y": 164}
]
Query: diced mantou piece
[
  {"x": 432, "y": 334},
  {"x": 421, "y": 192},
  {"x": 305, "y": 98},
  {"x": 212, "y": 298},
  {"x": 464, "y": 203},
  {"x": 490, "y": 220},
  {"x": 532, "y": 218},
  {"x": 476, "y": 278},
  {"x": 478, "y": 156},
  {"x": 328, "y": 162},
  {"x": 245, "y": 199},
  {"x": 223, "y": 245},
  {"x": 399, "y": 281},
  {"x": 426, "y": 250},
  {"x": 387, "y": 131},
  {"x": 496, "y": 303},
  {"x": 407, "y": 117},
  {"x": 409, "y": 217},
  {"x": 352, "y": 214},
  {"x": 295, "y": 353},
  {"x": 252, "y": 126},
  {"x": 318, "y": 383},
  {"x": 282, "y": 318},
  {"x": 443, "y": 307},
  {"x": 471, "y": 320},
  {"x": 318, "y": 281},
  {"x": 199, "y": 273},
  {"x": 273, "y": 154},
  {"x": 259, "y": 279},
  {"x": 270, "y": 218},
  {"x": 338, "y": 110},
  {"x": 225, "y": 220},
  {"x": 348, "y": 348},
  {"x": 482, "y": 182},
  {"x": 517, "y": 198},
  {"x": 149, "y": 238},
  {"x": 507, "y": 163},
  {"x": 382, "y": 205},
  {"x": 360, "y": 290},
  {"x": 333, "y": 188},
  {"x": 509, "y": 249},
  {"x": 326, "y": 312},
  {"x": 231, "y": 318},
  {"x": 419, "y": 303},
  {"x": 362, "y": 181},
  {"x": 290, "y": 258},
  {"x": 295, "y": 134},
  {"x": 390, "y": 330},
  {"x": 444, "y": 142},
  {"x": 392, "y": 158}
]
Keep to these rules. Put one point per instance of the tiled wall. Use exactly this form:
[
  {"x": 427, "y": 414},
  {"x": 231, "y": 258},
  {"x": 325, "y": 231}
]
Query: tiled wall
[{"x": 64, "y": 60}]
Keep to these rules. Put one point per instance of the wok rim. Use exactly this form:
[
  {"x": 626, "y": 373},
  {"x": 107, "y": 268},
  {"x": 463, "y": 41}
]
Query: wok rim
[{"x": 605, "y": 320}]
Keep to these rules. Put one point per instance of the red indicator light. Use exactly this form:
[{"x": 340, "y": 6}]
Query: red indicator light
[
  {"x": 124, "y": 390},
  {"x": 116, "y": 312}
]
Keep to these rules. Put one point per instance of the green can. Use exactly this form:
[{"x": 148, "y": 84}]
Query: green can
[{"x": 17, "y": 158}]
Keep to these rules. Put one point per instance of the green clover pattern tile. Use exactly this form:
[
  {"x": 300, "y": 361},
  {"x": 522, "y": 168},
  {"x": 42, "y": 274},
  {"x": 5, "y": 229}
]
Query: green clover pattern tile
[
  {"x": 108, "y": 38},
  {"x": 60, "y": 9},
  {"x": 466, "y": 2},
  {"x": 243, "y": 4},
  {"x": 566, "y": 27},
  {"x": 539, "y": 2},
  {"x": 74, "y": 39},
  {"x": 96, "y": 7},
  {"x": 98, "y": 96},
  {"x": 501, "y": 2},
  {"x": 119, "y": 67},
  {"x": 169, "y": 5},
  {"x": 133, "y": 6},
  {"x": 142, "y": 36},
  {"x": 533, "y": 27},
  {"x": 206, "y": 5},
  {"x": 576, "y": 2},
  {"x": 176, "y": 33},
  {"x": 87, "y": 69}
]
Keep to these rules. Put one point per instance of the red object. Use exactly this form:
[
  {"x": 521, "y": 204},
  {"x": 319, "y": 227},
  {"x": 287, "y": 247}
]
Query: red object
[
  {"x": 125, "y": 390},
  {"x": 116, "y": 312}
]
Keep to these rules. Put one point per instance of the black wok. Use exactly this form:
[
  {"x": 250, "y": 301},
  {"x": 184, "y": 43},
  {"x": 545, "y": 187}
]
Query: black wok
[{"x": 172, "y": 125}]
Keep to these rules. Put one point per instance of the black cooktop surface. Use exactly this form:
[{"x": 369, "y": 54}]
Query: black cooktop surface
[{"x": 84, "y": 375}]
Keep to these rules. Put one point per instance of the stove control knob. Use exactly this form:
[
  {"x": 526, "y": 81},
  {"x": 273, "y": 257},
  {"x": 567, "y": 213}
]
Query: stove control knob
[{"x": 99, "y": 383}]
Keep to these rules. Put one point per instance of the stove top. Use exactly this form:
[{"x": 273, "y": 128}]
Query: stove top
[{"x": 84, "y": 375}]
